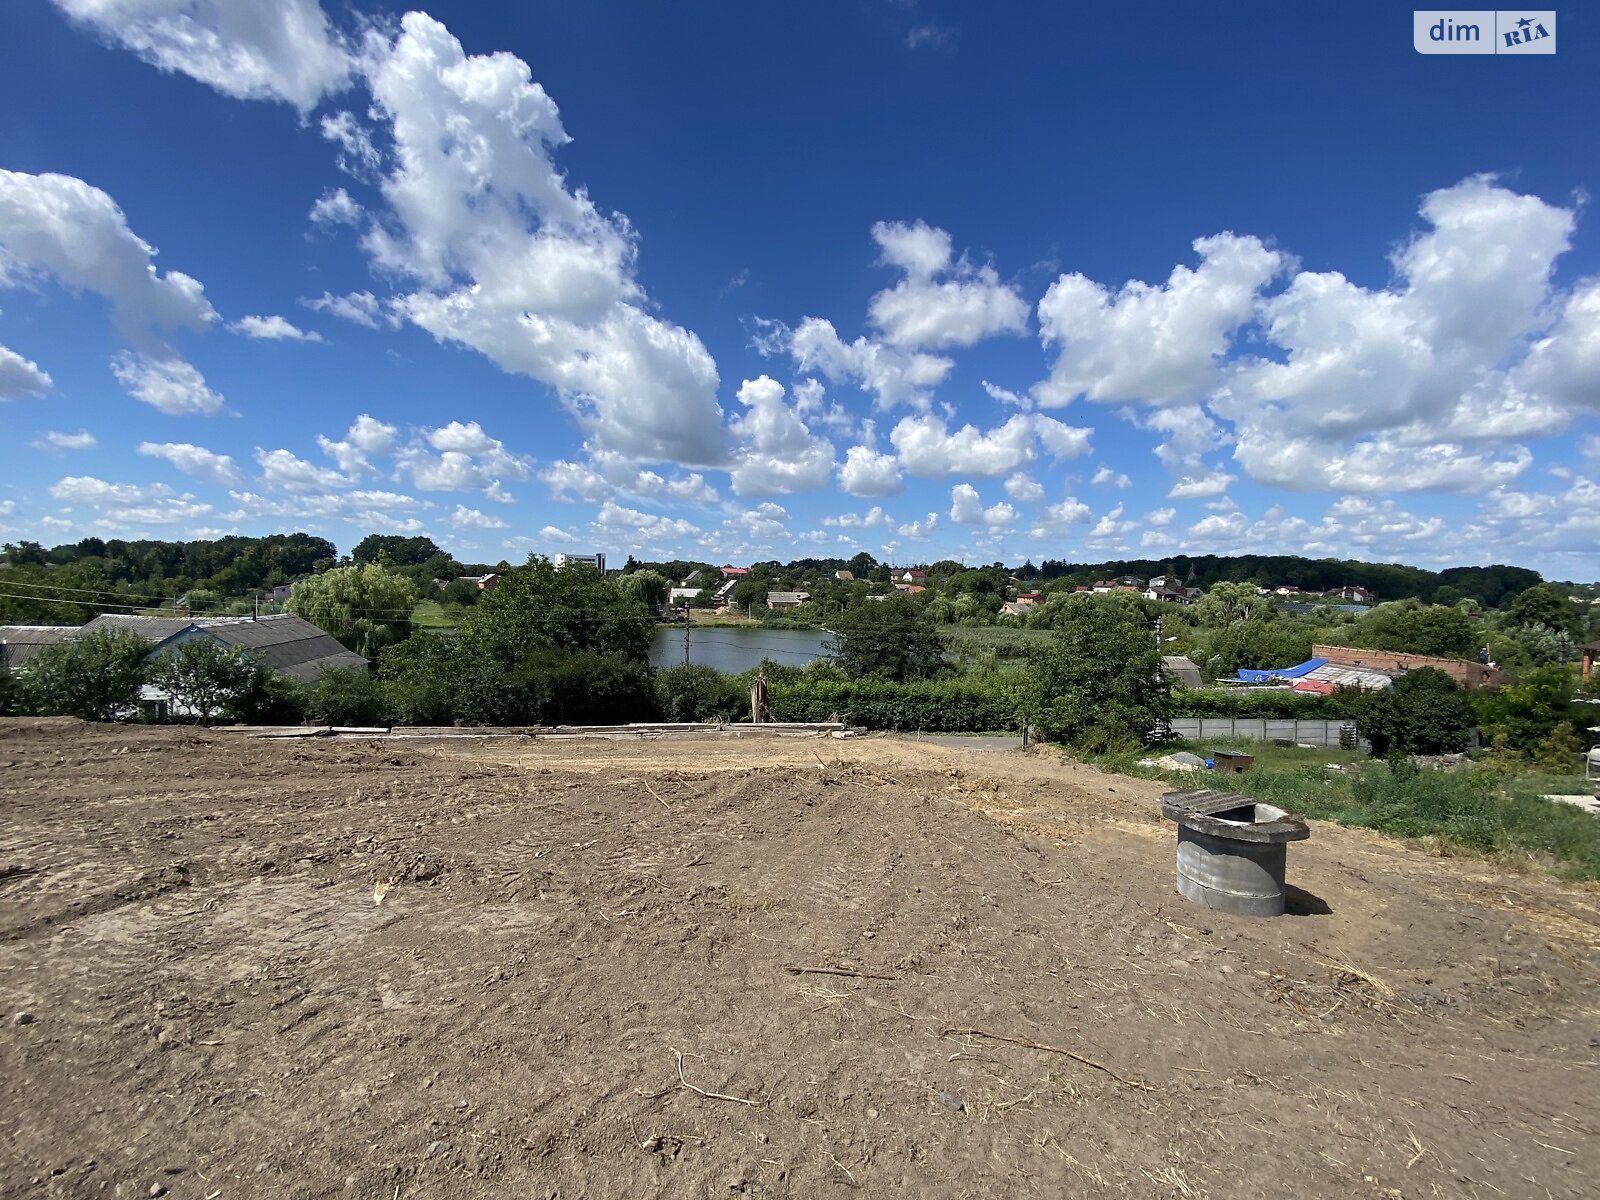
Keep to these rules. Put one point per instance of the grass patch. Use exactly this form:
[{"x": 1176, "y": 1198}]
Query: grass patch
[
  {"x": 1474, "y": 808},
  {"x": 1005, "y": 641},
  {"x": 710, "y": 616},
  {"x": 431, "y": 615}
]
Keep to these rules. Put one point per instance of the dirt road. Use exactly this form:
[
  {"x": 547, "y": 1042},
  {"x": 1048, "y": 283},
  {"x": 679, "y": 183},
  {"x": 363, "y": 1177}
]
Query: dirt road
[{"x": 581, "y": 982}]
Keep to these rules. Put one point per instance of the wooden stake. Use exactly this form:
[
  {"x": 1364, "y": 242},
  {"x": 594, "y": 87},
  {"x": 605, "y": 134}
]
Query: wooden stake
[{"x": 1072, "y": 1054}]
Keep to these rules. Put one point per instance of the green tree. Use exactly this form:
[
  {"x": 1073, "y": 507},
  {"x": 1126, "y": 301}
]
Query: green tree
[
  {"x": 646, "y": 588},
  {"x": 269, "y": 699},
  {"x": 1560, "y": 753},
  {"x": 691, "y": 692},
  {"x": 748, "y": 592},
  {"x": 25, "y": 554},
  {"x": 347, "y": 696},
  {"x": 1259, "y": 644},
  {"x": 204, "y": 677},
  {"x": 1524, "y": 714},
  {"x": 544, "y": 647},
  {"x": 365, "y": 607},
  {"x": 1411, "y": 627},
  {"x": 96, "y": 676},
  {"x": 1546, "y": 604},
  {"x": 418, "y": 678},
  {"x": 537, "y": 607},
  {"x": 1098, "y": 683},
  {"x": 395, "y": 550},
  {"x": 887, "y": 639},
  {"x": 1229, "y": 603},
  {"x": 1425, "y": 712}
]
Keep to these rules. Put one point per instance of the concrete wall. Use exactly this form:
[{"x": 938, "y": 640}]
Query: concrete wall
[{"x": 1319, "y": 732}]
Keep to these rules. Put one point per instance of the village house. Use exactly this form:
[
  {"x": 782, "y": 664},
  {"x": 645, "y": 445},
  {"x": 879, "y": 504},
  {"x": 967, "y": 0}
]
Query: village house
[
  {"x": 288, "y": 644},
  {"x": 1167, "y": 594},
  {"x": 1355, "y": 595},
  {"x": 912, "y": 576},
  {"x": 19, "y": 643},
  {"x": 781, "y": 600}
]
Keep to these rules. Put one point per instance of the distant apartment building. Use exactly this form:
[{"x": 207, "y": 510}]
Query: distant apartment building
[{"x": 597, "y": 561}]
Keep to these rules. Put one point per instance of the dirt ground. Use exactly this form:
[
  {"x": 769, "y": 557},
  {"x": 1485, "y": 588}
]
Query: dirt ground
[{"x": 579, "y": 982}]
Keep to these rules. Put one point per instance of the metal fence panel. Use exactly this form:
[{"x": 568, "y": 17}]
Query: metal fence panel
[{"x": 1317, "y": 732}]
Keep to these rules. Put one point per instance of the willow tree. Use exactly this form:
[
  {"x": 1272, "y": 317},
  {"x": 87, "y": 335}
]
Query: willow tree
[{"x": 365, "y": 607}]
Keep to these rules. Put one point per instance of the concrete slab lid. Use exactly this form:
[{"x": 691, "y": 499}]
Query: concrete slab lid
[{"x": 1197, "y": 810}]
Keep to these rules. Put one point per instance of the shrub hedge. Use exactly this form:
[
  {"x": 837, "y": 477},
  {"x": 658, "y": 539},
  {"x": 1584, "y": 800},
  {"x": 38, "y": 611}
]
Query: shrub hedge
[
  {"x": 1307, "y": 705},
  {"x": 931, "y": 706}
]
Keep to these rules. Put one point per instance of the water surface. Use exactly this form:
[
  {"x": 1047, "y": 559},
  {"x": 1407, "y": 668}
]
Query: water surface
[{"x": 732, "y": 648}]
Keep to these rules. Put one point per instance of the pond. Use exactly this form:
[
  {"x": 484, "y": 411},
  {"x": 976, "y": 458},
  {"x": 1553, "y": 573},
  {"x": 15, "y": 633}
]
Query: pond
[{"x": 732, "y": 648}]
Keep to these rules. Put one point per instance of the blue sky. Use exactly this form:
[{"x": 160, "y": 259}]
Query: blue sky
[{"x": 734, "y": 282}]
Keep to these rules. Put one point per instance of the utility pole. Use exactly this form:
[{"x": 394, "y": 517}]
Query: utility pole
[{"x": 686, "y": 633}]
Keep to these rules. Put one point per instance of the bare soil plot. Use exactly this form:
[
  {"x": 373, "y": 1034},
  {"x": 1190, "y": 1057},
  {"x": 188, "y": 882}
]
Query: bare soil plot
[{"x": 714, "y": 968}]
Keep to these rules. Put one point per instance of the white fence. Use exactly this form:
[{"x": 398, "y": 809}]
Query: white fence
[{"x": 1319, "y": 732}]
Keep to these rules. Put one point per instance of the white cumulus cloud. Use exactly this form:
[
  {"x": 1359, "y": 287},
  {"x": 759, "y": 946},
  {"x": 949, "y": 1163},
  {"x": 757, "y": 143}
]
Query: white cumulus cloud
[
  {"x": 1152, "y": 343},
  {"x": 64, "y": 228},
  {"x": 776, "y": 453},
  {"x": 82, "y": 440},
  {"x": 471, "y": 518},
  {"x": 939, "y": 303},
  {"x": 194, "y": 461},
  {"x": 273, "y": 329},
  {"x": 278, "y": 50},
  {"x": 336, "y": 207},
  {"x": 509, "y": 260},
  {"x": 171, "y": 385},
  {"x": 966, "y": 508},
  {"x": 359, "y": 308},
  {"x": 21, "y": 377}
]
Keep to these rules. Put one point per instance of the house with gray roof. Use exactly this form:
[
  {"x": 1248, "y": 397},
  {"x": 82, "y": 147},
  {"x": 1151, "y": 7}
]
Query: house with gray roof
[
  {"x": 288, "y": 644},
  {"x": 19, "y": 643}
]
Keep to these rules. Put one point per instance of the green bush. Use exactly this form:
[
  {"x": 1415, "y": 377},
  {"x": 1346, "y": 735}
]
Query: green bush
[
  {"x": 1406, "y": 801},
  {"x": 96, "y": 676},
  {"x": 349, "y": 696},
  {"x": 1479, "y": 807},
  {"x": 269, "y": 699},
  {"x": 207, "y": 679},
  {"x": 417, "y": 677},
  {"x": 1425, "y": 712},
  {"x": 1281, "y": 703},
  {"x": 697, "y": 693},
  {"x": 1098, "y": 683},
  {"x": 960, "y": 705}
]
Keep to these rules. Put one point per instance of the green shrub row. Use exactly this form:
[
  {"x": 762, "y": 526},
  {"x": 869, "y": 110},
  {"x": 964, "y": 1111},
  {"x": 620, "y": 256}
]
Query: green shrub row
[
  {"x": 1266, "y": 705},
  {"x": 931, "y": 706}
]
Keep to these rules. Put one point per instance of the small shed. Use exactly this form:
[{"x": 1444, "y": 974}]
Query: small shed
[{"x": 1182, "y": 672}]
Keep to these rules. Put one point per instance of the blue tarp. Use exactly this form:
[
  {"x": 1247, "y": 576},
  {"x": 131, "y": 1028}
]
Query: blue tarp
[{"x": 1295, "y": 672}]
